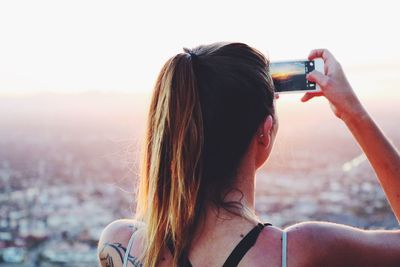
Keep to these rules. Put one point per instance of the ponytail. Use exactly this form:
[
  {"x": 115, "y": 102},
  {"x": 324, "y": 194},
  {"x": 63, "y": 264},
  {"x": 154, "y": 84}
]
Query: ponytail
[
  {"x": 206, "y": 107},
  {"x": 171, "y": 161}
]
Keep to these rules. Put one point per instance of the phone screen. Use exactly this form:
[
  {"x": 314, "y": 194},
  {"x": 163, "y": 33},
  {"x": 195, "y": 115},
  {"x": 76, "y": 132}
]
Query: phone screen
[{"x": 291, "y": 75}]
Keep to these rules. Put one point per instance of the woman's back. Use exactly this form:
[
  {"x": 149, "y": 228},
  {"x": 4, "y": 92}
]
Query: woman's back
[
  {"x": 212, "y": 248},
  {"x": 212, "y": 124},
  {"x": 308, "y": 244}
]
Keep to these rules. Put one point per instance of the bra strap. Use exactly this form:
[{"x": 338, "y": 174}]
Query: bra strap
[
  {"x": 128, "y": 249},
  {"x": 284, "y": 249},
  {"x": 236, "y": 255},
  {"x": 244, "y": 245}
]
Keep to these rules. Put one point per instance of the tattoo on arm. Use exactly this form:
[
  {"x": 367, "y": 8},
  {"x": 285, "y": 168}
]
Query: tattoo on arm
[
  {"x": 107, "y": 260},
  {"x": 121, "y": 250}
]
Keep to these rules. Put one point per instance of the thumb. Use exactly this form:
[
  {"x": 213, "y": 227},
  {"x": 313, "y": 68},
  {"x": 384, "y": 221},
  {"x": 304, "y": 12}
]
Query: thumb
[
  {"x": 307, "y": 96},
  {"x": 318, "y": 77}
]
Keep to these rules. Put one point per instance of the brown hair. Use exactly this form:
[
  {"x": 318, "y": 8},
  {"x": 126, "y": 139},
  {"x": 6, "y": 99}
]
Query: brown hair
[{"x": 206, "y": 106}]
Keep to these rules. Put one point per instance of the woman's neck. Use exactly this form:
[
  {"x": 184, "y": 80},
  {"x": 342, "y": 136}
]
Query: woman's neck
[
  {"x": 245, "y": 183},
  {"x": 242, "y": 192}
]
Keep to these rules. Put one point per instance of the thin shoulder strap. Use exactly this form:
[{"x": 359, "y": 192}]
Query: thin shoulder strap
[
  {"x": 236, "y": 255},
  {"x": 284, "y": 249},
  {"x": 244, "y": 245},
  {"x": 128, "y": 249}
]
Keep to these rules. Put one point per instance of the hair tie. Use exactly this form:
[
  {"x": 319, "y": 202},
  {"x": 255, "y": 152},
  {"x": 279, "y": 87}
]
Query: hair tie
[{"x": 193, "y": 56}]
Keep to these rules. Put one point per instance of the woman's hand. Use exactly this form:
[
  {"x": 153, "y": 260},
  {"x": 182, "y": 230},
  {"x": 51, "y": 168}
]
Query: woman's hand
[
  {"x": 381, "y": 153},
  {"x": 334, "y": 86}
]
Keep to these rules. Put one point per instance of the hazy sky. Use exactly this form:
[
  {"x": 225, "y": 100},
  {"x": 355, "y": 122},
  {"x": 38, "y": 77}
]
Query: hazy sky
[{"x": 121, "y": 45}]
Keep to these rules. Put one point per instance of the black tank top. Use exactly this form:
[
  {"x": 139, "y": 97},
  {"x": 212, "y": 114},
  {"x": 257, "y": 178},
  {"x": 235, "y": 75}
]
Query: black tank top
[{"x": 238, "y": 252}]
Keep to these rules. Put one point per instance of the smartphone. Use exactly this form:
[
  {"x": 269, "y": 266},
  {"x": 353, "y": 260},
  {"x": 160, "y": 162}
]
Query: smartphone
[{"x": 290, "y": 76}]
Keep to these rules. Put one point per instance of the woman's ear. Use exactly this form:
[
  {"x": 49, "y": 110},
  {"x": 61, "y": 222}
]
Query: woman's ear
[{"x": 265, "y": 135}]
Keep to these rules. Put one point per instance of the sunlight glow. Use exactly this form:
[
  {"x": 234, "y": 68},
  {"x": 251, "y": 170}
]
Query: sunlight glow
[{"x": 80, "y": 45}]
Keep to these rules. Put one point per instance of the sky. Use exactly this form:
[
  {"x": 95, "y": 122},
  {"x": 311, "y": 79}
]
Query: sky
[{"x": 120, "y": 46}]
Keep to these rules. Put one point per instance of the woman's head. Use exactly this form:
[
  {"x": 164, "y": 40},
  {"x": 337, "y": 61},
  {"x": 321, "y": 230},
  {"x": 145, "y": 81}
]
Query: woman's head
[{"x": 208, "y": 105}]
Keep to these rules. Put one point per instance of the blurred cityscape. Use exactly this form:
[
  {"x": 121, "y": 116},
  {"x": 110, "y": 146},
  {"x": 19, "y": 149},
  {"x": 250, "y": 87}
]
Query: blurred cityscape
[{"x": 68, "y": 167}]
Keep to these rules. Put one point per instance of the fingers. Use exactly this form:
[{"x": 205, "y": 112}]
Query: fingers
[
  {"x": 309, "y": 95},
  {"x": 322, "y": 53},
  {"x": 315, "y": 53},
  {"x": 276, "y": 95},
  {"x": 318, "y": 77},
  {"x": 325, "y": 54},
  {"x": 306, "y": 97}
]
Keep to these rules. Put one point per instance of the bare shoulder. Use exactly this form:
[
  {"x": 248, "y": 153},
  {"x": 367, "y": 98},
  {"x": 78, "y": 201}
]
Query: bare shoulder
[
  {"x": 114, "y": 241},
  {"x": 317, "y": 231},
  {"x": 120, "y": 230},
  {"x": 330, "y": 244}
]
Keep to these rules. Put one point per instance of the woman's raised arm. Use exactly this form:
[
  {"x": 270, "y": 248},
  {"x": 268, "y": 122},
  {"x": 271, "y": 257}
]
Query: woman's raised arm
[
  {"x": 330, "y": 244},
  {"x": 381, "y": 153}
]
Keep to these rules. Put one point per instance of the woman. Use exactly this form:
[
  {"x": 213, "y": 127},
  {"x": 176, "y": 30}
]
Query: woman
[{"x": 211, "y": 125}]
